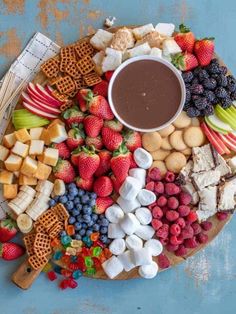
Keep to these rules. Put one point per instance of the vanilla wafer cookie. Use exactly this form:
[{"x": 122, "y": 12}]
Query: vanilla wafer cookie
[
  {"x": 60, "y": 211},
  {"x": 50, "y": 68},
  {"x": 29, "y": 243},
  {"x": 42, "y": 241},
  {"x": 86, "y": 65},
  {"x": 40, "y": 253},
  {"x": 84, "y": 48},
  {"x": 56, "y": 229},
  {"x": 48, "y": 219},
  {"x": 37, "y": 262},
  {"x": 65, "y": 85},
  {"x": 92, "y": 78}
]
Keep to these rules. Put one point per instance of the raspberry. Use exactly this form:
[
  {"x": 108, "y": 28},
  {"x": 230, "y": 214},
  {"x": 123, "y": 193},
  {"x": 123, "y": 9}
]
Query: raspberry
[
  {"x": 159, "y": 187},
  {"x": 222, "y": 215},
  {"x": 156, "y": 224},
  {"x": 185, "y": 198},
  {"x": 183, "y": 210},
  {"x": 155, "y": 174},
  {"x": 172, "y": 215},
  {"x": 171, "y": 248},
  {"x": 163, "y": 231},
  {"x": 150, "y": 186},
  {"x": 164, "y": 242},
  {"x": 164, "y": 209},
  {"x": 191, "y": 243},
  {"x": 162, "y": 201},
  {"x": 169, "y": 176},
  {"x": 192, "y": 216},
  {"x": 175, "y": 229},
  {"x": 172, "y": 203},
  {"x": 148, "y": 180},
  {"x": 51, "y": 275},
  {"x": 151, "y": 206},
  {"x": 174, "y": 240},
  {"x": 180, "y": 238},
  {"x": 163, "y": 261},
  {"x": 202, "y": 238},
  {"x": 157, "y": 212},
  {"x": 181, "y": 222},
  {"x": 181, "y": 251},
  {"x": 206, "y": 225},
  {"x": 187, "y": 232},
  {"x": 172, "y": 189},
  {"x": 196, "y": 228}
]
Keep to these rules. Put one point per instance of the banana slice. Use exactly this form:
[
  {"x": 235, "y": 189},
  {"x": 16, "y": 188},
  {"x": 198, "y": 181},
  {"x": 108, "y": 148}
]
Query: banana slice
[
  {"x": 59, "y": 187},
  {"x": 45, "y": 187},
  {"x": 42, "y": 197},
  {"x": 28, "y": 190},
  {"x": 24, "y": 223}
]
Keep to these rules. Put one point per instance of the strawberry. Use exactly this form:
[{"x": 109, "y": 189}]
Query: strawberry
[
  {"x": 7, "y": 230},
  {"x": 111, "y": 139},
  {"x": 73, "y": 116},
  {"x": 116, "y": 183},
  {"x": 132, "y": 162},
  {"x": 103, "y": 186},
  {"x": 185, "y": 38},
  {"x": 64, "y": 171},
  {"x": 102, "y": 203},
  {"x": 185, "y": 61},
  {"x": 204, "y": 50},
  {"x": 108, "y": 75},
  {"x": 64, "y": 151},
  {"x": 75, "y": 156},
  {"x": 10, "y": 251},
  {"x": 132, "y": 140},
  {"x": 85, "y": 184},
  {"x": 120, "y": 162},
  {"x": 101, "y": 89},
  {"x": 94, "y": 141},
  {"x": 115, "y": 125},
  {"x": 99, "y": 107},
  {"x": 92, "y": 125},
  {"x": 82, "y": 97},
  {"x": 105, "y": 163},
  {"x": 88, "y": 162},
  {"x": 76, "y": 137}
]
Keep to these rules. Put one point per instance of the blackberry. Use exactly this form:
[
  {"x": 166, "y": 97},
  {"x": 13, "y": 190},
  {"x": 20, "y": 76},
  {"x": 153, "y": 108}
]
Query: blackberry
[
  {"x": 209, "y": 83},
  {"x": 213, "y": 68},
  {"x": 187, "y": 76},
  {"x": 231, "y": 83},
  {"x": 209, "y": 110},
  {"x": 195, "y": 81},
  {"x": 196, "y": 89},
  {"x": 210, "y": 95},
  {"x": 195, "y": 97},
  {"x": 233, "y": 96},
  {"x": 221, "y": 92},
  {"x": 188, "y": 96},
  {"x": 223, "y": 70},
  {"x": 203, "y": 75},
  {"x": 226, "y": 102},
  {"x": 187, "y": 105},
  {"x": 193, "y": 112},
  {"x": 201, "y": 103},
  {"x": 222, "y": 80},
  {"x": 196, "y": 71}
]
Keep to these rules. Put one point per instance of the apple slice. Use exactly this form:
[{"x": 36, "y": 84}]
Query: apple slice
[
  {"x": 231, "y": 139},
  {"x": 214, "y": 127},
  {"x": 227, "y": 142},
  {"x": 215, "y": 121},
  {"x": 49, "y": 89},
  {"x": 213, "y": 139},
  {"x": 225, "y": 116},
  {"x": 33, "y": 91},
  {"x": 38, "y": 112},
  {"x": 46, "y": 95},
  {"x": 40, "y": 105},
  {"x": 232, "y": 135},
  {"x": 222, "y": 143}
]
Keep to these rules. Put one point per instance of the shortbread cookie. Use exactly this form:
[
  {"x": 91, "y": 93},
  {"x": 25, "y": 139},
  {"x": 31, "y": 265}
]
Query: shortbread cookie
[
  {"x": 194, "y": 136},
  {"x": 166, "y": 144},
  {"x": 160, "y": 154},
  {"x": 187, "y": 151},
  {"x": 161, "y": 165},
  {"x": 183, "y": 121},
  {"x": 176, "y": 140},
  {"x": 175, "y": 162},
  {"x": 167, "y": 131},
  {"x": 195, "y": 122},
  {"x": 151, "y": 141}
]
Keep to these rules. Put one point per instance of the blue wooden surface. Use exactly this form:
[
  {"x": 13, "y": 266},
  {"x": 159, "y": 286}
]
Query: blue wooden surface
[{"x": 206, "y": 282}]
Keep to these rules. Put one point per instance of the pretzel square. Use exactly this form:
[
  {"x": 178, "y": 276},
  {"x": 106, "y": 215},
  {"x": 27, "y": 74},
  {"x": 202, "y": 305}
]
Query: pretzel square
[
  {"x": 67, "y": 52},
  {"x": 40, "y": 228},
  {"x": 50, "y": 68},
  {"x": 40, "y": 253},
  {"x": 86, "y": 65},
  {"x": 63, "y": 64},
  {"x": 66, "y": 105},
  {"x": 52, "y": 81},
  {"x": 56, "y": 229},
  {"x": 60, "y": 211},
  {"x": 84, "y": 48},
  {"x": 42, "y": 241},
  {"x": 79, "y": 83},
  {"x": 29, "y": 243},
  {"x": 48, "y": 219},
  {"x": 37, "y": 262},
  {"x": 92, "y": 79},
  {"x": 65, "y": 85},
  {"x": 72, "y": 94},
  {"x": 72, "y": 69},
  {"x": 59, "y": 96}
]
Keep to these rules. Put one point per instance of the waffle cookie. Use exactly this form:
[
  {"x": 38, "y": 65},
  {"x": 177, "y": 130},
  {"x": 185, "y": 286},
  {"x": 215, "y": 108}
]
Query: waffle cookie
[
  {"x": 48, "y": 219},
  {"x": 72, "y": 69},
  {"x": 29, "y": 243},
  {"x": 86, "y": 65},
  {"x": 61, "y": 212},
  {"x": 92, "y": 78},
  {"x": 83, "y": 49},
  {"x": 37, "y": 262},
  {"x": 56, "y": 229},
  {"x": 65, "y": 85},
  {"x": 50, "y": 68}
]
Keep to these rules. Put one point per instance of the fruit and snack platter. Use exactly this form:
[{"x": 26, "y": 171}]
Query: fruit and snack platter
[{"x": 92, "y": 197}]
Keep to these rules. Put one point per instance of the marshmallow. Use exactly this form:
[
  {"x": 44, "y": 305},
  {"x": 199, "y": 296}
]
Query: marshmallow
[
  {"x": 142, "y": 158},
  {"x": 125, "y": 259},
  {"x": 148, "y": 271},
  {"x": 130, "y": 188},
  {"x": 165, "y": 29},
  {"x": 146, "y": 197},
  {"x": 139, "y": 174},
  {"x": 141, "y": 256},
  {"x": 133, "y": 242},
  {"x": 145, "y": 232},
  {"x": 115, "y": 231},
  {"x": 112, "y": 267},
  {"x": 117, "y": 246},
  {"x": 144, "y": 215},
  {"x": 154, "y": 246},
  {"x": 114, "y": 213},
  {"x": 129, "y": 223},
  {"x": 128, "y": 206}
]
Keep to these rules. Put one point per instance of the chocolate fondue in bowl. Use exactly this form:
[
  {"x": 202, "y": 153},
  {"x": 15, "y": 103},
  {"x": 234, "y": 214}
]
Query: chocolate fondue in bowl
[{"x": 146, "y": 93}]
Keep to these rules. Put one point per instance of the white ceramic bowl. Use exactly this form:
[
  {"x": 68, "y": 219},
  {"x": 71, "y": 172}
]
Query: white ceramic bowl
[{"x": 171, "y": 67}]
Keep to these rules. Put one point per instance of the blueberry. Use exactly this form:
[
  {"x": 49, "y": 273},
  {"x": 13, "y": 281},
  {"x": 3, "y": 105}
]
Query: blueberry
[
  {"x": 102, "y": 216},
  {"x": 63, "y": 233},
  {"x": 72, "y": 186},
  {"x": 81, "y": 192},
  {"x": 75, "y": 212},
  {"x": 79, "y": 218},
  {"x": 84, "y": 199},
  {"x": 92, "y": 202},
  {"x": 94, "y": 217},
  {"x": 89, "y": 232},
  {"x": 63, "y": 199},
  {"x": 73, "y": 192},
  {"x": 90, "y": 223},
  {"x": 69, "y": 205},
  {"x": 76, "y": 200},
  {"x": 103, "y": 230},
  {"x": 79, "y": 206},
  {"x": 78, "y": 226},
  {"x": 87, "y": 210},
  {"x": 56, "y": 198},
  {"x": 51, "y": 202},
  {"x": 72, "y": 220},
  {"x": 96, "y": 227},
  {"x": 103, "y": 238},
  {"x": 70, "y": 197},
  {"x": 84, "y": 225},
  {"x": 82, "y": 232},
  {"x": 86, "y": 218},
  {"x": 93, "y": 195},
  {"x": 77, "y": 237},
  {"x": 104, "y": 222}
]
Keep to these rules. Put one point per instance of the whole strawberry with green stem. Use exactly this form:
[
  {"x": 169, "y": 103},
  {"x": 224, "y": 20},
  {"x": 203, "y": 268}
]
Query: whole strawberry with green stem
[
  {"x": 204, "y": 50},
  {"x": 94, "y": 141},
  {"x": 8, "y": 229},
  {"x": 185, "y": 38},
  {"x": 114, "y": 125},
  {"x": 132, "y": 140},
  {"x": 99, "y": 107},
  {"x": 73, "y": 116},
  {"x": 92, "y": 125},
  {"x": 111, "y": 139},
  {"x": 75, "y": 156},
  {"x": 116, "y": 183},
  {"x": 10, "y": 251},
  {"x": 82, "y": 97},
  {"x": 101, "y": 88},
  {"x": 63, "y": 149},
  {"x": 120, "y": 162},
  {"x": 103, "y": 186},
  {"x": 64, "y": 171},
  {"x": 88, "y": 162},
  {"x": 185, "y": 61},
  {"x": 85, "y": 184},
  {"x": 102, "y": 203},
  {"x": 105, "y": 163},
  {"x": 76, "y": 137}
]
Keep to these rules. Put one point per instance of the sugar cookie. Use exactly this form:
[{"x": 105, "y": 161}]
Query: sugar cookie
[
  {"x": 175, "y": 162},
  {"x": 187, "y": 151},
  {"x": 183, "y": 121},
  {"x": 160, "y": 154},
  {"x": 167, "y": 131},
  {"x": 194, "y": 136},
  {"x": 176, "y": 140},
  {"x": 195, "y": 122},
  {"x": 161, "y": 165},
  {"x": 151, "y": 141},
  {"x": 166, "y": 144}
]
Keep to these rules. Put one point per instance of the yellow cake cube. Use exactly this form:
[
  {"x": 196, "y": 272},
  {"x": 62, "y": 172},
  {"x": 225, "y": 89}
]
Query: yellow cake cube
[
  {"x": 35, "y": 133},
  {"x": 13, "y": 162},
  {"x": 45, "y": 137},
  {"x": 43, "y": 171},
  {"x": 10, "y": 191},
  {"x": 29, "y": 166},
  {"x": 6, "y": 177},
  {"x": 24, "y": 180},
  {"x": 36, "y": 147},
  {"x": 4, "y": 152},
  {"x": 20, "y": 149},
  {"x": 50, "y": 156},
  {"x": 22, "y": 135},
  {"x": 57, "y": 133},
  {"x": 9, "y": 140}
]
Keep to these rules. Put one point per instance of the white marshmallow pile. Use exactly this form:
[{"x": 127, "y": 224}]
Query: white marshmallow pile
[{"x": 129, "y": 224}]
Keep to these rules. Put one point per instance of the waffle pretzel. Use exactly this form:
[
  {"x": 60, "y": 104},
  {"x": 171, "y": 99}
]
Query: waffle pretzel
[
  {"x": 92, "y": 79},
  {"x": 41, "y": 253},
  {"x": 72, "y": 69},
  {"x": 29, "y": 243},
  {"x": 66, "y": 105},
  {"x": 37, "y": 262},
  {"x": 50, "y": 68},
  {"x": 40, "y": 228},
  {"x": 59, "y": 96},
  {"x": 63, "y": 64},
  {"x": 42, "y": 241},
  {"x": 84, "y": 48},
  {"x": 60, "y": 211},
  {"x": 79, "y": 83},
  {"x": 55, "y": 230},
  {"x": 72, "y": 94},
  {"x": 52, "y": 81},
  {"x": 86, "y": 65},
  {"x": 65, "y": 85},
  {"x": 67, "y": 52},
  {"x": 48, "y": 219}
]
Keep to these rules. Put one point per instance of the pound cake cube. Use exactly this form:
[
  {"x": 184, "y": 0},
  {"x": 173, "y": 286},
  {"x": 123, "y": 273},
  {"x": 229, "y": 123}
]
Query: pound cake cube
[
  {"x": 29, "y": 166},
  {"x": 45, "y": 137},
  {"x": 9, "y": 140},
  {"x": 20, "y": 149},
  {"x": 35, "y": 133},
  {"x": 10, "y": 191},
  {"x": 4, "y": 152},
  {"x": 50, "y": 156},
  {"x": 57, "y": 133},
  {"x": 13, "y": 162},
  {"x": 24, "y": 180},
  {"x": 43, "y": 171},
  {"x": 6, "y": 177},
  {"x": 36, "y": 147},
  {"x": 22, "y": 135}
]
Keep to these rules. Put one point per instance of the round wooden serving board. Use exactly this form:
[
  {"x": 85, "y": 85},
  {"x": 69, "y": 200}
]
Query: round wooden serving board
[{"x": 174, "y": 260}]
